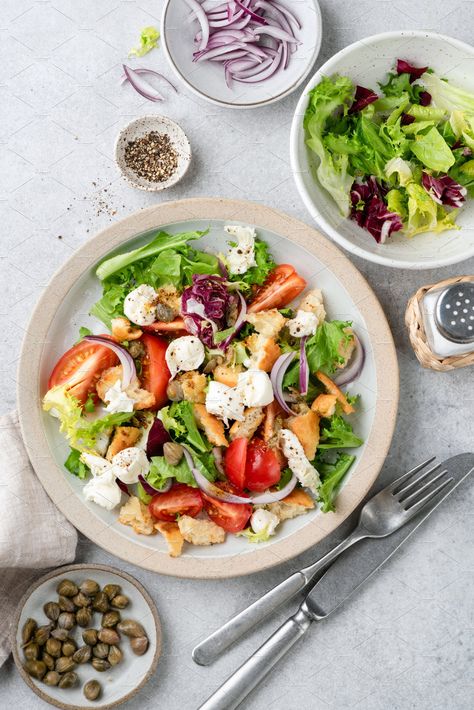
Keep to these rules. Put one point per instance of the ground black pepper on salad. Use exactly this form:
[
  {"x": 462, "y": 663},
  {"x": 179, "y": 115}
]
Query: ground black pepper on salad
[
  {"x": 399, "y": 159},
  {"x": 214, "y": 401}
]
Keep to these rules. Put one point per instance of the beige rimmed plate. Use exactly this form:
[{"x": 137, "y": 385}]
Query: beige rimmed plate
[
  {"x": 121, "y": 682},
  {"x": 63, "y": 309}
]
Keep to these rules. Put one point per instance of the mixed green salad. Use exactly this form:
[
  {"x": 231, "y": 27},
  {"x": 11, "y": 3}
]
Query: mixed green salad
[
  {"x": 213, "y": 403},
  {"x": 399, "y": 159}
]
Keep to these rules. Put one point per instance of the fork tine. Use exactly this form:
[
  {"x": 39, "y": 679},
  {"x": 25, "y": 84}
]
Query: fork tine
[
  {"x": 416, "y": 493},
  {"x": 428, "y": 497},
  {"x": 412, "y": 484},
  {"x": 403, "y": 478}
]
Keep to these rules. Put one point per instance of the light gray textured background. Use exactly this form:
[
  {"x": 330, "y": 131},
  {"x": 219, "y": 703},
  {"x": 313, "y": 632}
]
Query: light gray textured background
[{"x": 406, "y": 641}]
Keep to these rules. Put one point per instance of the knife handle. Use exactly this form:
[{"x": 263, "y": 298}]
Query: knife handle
[
  {"x": 236, "y": 688},
  {"x": 212, "y": 647}
]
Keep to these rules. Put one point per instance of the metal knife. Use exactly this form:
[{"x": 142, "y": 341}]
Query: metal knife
[{"x": 340, "y": 582}]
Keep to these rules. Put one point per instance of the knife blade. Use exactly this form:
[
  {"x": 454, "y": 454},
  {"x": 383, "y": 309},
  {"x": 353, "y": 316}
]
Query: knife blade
[{"x": 343, "y": 579}]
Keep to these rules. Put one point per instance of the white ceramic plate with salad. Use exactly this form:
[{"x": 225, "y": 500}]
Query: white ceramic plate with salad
[
  {"x": 242, "y": 407},
  {"x": 382, "y": 147},
  {"x": 241, "y": 53}
]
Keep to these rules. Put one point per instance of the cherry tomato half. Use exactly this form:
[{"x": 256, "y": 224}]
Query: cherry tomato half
[
  {"x": 233, "y": 517},
  {"x": 234, "y": 462},
  {"x": 155, "y": 374},
  {"x": 283, "y": 284},
  {"x": 262, "y": 468},
  {"x": 179, "y": 500}
]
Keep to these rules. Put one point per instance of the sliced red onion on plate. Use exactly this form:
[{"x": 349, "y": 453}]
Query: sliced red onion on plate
[
  {"x": 276, "y": 376},
  {"x": 214, "y": 491},
  {"x": 151, "y": 490},
  {"x": 129, "y": 372},
  {"x": 354, "y": 367},
  {"x": 304, "y": 368},
  {"x": 123, "y": 486}
]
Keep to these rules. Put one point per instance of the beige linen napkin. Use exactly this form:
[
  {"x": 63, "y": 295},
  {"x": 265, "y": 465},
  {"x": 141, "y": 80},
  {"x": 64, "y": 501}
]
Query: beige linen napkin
[{"x": 33, "y": 533}]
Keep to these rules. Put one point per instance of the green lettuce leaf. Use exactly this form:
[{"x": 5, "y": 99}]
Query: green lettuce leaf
[
  {"x": 149, "y": 37},
  {"x": 178, "y": 420},
  {"x": 75, "y": 466},
  {"x": 432, "y": 150},
  {"x": 336, "y": 433},
  {"x": 447, "y": 96},
  {"x": 262, "y": 536},
  {"x": 259, "y": 273},
  {"x": 399, "y": 85},
  {"x": 332, "y": 475},
  {"x": 424, "y": 214}
]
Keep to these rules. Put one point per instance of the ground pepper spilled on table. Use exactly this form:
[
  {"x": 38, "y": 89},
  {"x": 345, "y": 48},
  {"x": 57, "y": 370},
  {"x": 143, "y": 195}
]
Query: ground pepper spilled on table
[{"x": 152, "y": 157}]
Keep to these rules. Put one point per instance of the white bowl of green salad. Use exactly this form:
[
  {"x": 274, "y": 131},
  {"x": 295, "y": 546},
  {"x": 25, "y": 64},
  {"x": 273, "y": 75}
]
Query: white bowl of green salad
[{"x": 382, "y": 149}]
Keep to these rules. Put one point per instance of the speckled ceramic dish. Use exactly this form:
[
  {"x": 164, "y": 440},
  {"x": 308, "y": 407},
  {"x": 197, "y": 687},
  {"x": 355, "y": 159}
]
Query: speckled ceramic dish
[
  {"x": 63, "y": 308},
  {"x": 140, "y": 127},
  {"x": 367, "y": 62},
  {"x": 119, "y": 683}
]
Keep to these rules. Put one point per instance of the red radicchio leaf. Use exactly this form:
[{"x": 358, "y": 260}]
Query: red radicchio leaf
[
  {"x": 404, "y": 67},
  {"x": 363, "y": 97},
  {"x": 157, "y": 436},
  {"x": 407, "y": 119},
  {"x": 425, "y": 98},
  {"x": 205, "y": 306},
  {"x": 370, "y": 211},
  {"x": 444, "y": 190}
]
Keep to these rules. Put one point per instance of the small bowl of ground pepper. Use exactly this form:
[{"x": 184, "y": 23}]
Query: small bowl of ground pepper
[{"x": 153, "y": 153}]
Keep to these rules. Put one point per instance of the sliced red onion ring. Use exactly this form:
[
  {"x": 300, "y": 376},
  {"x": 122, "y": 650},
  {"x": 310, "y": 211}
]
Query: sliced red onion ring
[
  {"x": 258, "y": 18},
  {"x": 218, "y": 459},
  {"x": 219, "y": 494},
  {"x": 276, "y": 32},
  {"x": 276, "y": 376},
  {"x": 304, "y": 369},
  {"x": 202, "y": 19},
  {"x": 129, "y": 372},
  {"x": 141, "y": 86},
  {"x": 354, "y": 368},
  {"x": 238, "y": 323},
  {"x": 151, "y": 490},
  {"x": 144, "y": 70},
  {"x": 123, "y": 486}
]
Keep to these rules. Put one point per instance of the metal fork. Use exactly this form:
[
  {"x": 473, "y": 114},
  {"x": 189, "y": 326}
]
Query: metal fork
[{"x": 386, "y": 512}]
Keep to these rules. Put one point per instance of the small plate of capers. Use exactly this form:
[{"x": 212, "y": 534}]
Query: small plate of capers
[{"x": 75, "y": 625}]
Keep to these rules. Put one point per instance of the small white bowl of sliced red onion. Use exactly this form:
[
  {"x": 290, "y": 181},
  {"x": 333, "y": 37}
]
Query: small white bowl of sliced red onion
[
  {"x": 373, "y": 229},
  {"x": 241, "y": 53}
]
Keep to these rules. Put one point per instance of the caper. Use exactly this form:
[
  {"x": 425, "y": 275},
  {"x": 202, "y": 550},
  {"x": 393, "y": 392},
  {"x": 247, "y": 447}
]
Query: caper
[
  {"x": 109, "y": 636},
  {"x": 68, "y": 680},
  {"x": 110, "y": 619},
  {"x": 64, "y": 664},
  {"x": 164, "y": 312},
  {"x": 66, "y": 604},
  {"x": 52, "y": 610},
  {"x": 31, "y": 651},
  {"x": 131, "y": 628},
  {"x": 112, "y": 590},
  {"x": 101, "y": 650},
  {"x": 100, "y": 664},
  {"x": 84, "y": 616},
  {"x": 42, "y": 634},
  {"x": 81, "y": 600},
  {"x": 120, "y": 601},
  {"x": 60, "y": 634},
  {"x": 89, "y": 637},
  {"x": 36, "y": 669},
  {"x": 69, "y": 647},
  {"x": 66, "y": 588},
  {"x": 172, "y": 452},
  {"x": 48, "y": 660},
  {"x": 115, "y": 655},
  {"x": 139, "y": 645},
  {"x": 89, "y": 587},
  {"x": 52, "y": 678},
  {"x": 174, "y": 391},
  {"x": 29, "y": 627},
  {"x": 66, "y": 620},
  {"x": 82, "y": 655},
  {"x": 53, "y": 647},
  {"x": 92, "y": 689}
]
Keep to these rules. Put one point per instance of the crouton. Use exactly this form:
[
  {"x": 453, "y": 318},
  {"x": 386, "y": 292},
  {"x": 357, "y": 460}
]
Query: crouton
[
  {"x": 108, "y": 378},
  {"x": 136, "y": 514},
  {"x": 211, "y": 425},
  {"x": 200, "y": 532},
  {"x": 169, "y": 296},
  {"x": 142, "y": 399},
  {"x": 312, "y": 302},
  {"x": 267, "y": 323},
  {"x": 253, "y": 417},
  {"x": 297, "y": 503},
  {"x": 264, "y": 352},
  {"x": 122, "y": 329},
  {"x": 306, "y": 428},
  {"x": 123, "y": 438},
  {"x": 324, "y": 405},
  {"x": 193, "y": 385},
  {"x": 332, "y": 388},
  {"x": 227, "y": 375},
  {"x": 173, "y": 537},
  {"x": 272, "y": 411}
]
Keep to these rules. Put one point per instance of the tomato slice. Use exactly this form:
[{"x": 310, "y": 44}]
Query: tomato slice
[
  {"x": 179, "y": 500},
  {"x": 155, "y": 374},
  {"x": 175, "y": 326},
  {"x": 283, "y": 284},
  {"x": 233, "y": 517},
  {"x": 262, "y": 468},
  {"x": 80, "y": 368},
  {"x": 234, "y": 462}
]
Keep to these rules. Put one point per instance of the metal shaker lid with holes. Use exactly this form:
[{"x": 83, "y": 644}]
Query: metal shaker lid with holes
[{"x": 454, "y": 313}]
